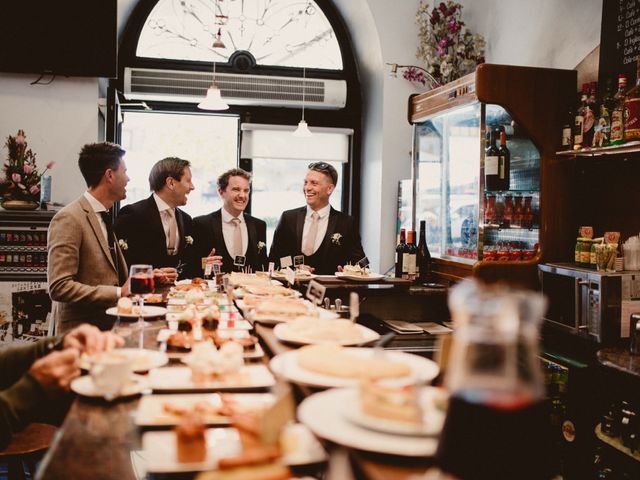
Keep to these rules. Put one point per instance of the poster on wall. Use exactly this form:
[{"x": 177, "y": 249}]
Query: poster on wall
[{"x": 25, "y": 311}]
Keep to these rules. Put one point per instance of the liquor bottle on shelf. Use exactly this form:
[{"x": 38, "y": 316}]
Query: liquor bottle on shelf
[
  {"x": 507, "y": 216},
  {"x": 424, "y": 257},
  {"x": 505, "y": 162},
  {"x": 410, "y": 257},
  {"x": 602, "y": 134},
  {"x": 589, "y": 116},
  {"x": 566, "y": 142},
  {"x": 491, "y": 163},
  {"x": 490, "y": 210},
  {"x": 400, "y": 253},
  {"x": 517, "y": 212},
  {"x": 617, "y": 114},
  {"x": 632, "y": 110},
  {"x": 527, "y": 213},
  {"x": 578, "y": 122}
]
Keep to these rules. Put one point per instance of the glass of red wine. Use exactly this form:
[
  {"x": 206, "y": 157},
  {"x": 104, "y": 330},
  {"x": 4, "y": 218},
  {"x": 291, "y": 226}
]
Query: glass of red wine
[{"x": 140, "y": 283}]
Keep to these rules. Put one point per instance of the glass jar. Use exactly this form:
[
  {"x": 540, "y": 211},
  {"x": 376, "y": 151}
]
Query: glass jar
[
  {"x": 577, "y": 250},
  {"x": 585, "y": 253}
]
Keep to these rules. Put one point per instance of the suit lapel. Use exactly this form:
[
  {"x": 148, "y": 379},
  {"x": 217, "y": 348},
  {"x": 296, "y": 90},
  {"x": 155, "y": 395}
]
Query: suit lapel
[
  {"x": 157, "y": 230},
  {"x": 97, "y": 229},
  {"x": 299, "y": 228},
  {"x": 181, "y": 233},
  {"x": 218, "y": 237},
  {"x": 331, "y": 229},
  {"x": 251, "y": 240}
]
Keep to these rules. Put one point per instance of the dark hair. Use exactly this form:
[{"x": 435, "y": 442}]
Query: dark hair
[
  {"x": 167, "y": 167},
  {"x": 223, "y": 180},
  {"x": 96, "y": 158},
  {"x": 327, "y": 169}
]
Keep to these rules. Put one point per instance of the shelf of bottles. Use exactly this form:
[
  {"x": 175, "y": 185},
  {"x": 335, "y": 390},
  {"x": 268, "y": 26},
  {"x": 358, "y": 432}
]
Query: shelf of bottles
[
  {"x": 510, "y": 215},
  {"x": 23, "y": 250}
]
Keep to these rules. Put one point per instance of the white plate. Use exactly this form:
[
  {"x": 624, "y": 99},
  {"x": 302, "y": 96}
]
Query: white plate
[
  {"x": 283, "y": 332},
  {"x": 148, "y": 311},
  {"x": 360, "y": 278},
  {"x": 178, "y": 379},
  {"x": 298, "y": 277},
  {"x": 286, "y": 366},
  {"x": 274, "y": 319},
  {"x": 151, "y": 411},
  {"x": 159, "y": 450},
  {"x": 433, "y": 417},
  {"x": 142, "y": 360},
  {"x": 322, "y": 413},
  {"x": 84, "y": 386}
]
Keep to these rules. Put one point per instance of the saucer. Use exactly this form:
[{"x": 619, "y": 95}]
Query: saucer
[{"x": 84, "y": 386}]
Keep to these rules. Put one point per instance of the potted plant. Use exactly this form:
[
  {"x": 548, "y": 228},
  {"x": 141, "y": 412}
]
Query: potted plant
[{"x": 21, "y": 187}]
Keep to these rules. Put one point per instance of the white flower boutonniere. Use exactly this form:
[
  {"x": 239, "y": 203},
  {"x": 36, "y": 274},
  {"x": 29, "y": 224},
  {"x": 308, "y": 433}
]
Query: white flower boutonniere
[
  {"x": 335, "y": 238},
  {"x": 123, "y": 244},
  {"x": 188, "y": 240},
  {"x": 261, "y": 245}
]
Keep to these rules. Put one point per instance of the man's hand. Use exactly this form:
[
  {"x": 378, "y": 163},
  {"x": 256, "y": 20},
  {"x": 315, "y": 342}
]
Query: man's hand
[
  {"x": 55, "y": 371},
  {"x": 165, "y": 275},
  {"x": 124, "y": 289},
  {"x": 89, "y": 339}
]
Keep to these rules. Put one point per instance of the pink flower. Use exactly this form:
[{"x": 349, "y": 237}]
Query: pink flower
[
  {"x": 454, "y": 26},
  {"x": 35, "y": 189},
  {"x": 50, "y": 165},
  {"x": 16, "y": 177},
  {"x": 28, "y": 168},
  {"x": 413, "y": 75},
  {"x": 20, "y": 137}
]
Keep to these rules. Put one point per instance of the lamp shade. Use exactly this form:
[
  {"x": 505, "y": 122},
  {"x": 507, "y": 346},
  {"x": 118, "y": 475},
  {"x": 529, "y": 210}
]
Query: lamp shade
[
  {"x": 213, "y": 100},
  {"x": 302, "y": 130}
]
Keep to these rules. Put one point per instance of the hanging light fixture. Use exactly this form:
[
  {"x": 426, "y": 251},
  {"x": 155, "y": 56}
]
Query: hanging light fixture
[
  {"x": 213, "y": 100},
  {"x": 303, "y": 129}
]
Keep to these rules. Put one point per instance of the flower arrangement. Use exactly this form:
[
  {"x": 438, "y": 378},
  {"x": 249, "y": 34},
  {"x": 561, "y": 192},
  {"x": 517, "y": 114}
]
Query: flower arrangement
[
  {"x": 22, "y": 179},
  {"x": 447, "y": 50}
]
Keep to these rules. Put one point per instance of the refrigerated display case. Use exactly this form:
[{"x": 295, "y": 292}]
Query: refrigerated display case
[
  {"x": 500, "y": 233},
  {"x": 25, "y": 305}
]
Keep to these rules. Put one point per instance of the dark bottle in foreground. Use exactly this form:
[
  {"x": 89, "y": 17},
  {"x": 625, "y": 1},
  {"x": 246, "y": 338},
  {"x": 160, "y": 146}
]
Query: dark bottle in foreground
[
  {"x": 491, "y": 163},
  {"x": 424, "y": 257},
  {"x": 400, "y": 253},
  {"x": 409, "y": 261},
  {"x": 505, "y": 162}
]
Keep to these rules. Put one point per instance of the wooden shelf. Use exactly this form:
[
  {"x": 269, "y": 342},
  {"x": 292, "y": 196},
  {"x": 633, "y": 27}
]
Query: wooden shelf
[
  {"x": 616, "y": 443},
  {"x": 629, "y": 147}
]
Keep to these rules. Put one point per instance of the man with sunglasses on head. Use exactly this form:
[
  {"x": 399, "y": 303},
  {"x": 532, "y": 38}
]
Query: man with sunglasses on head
[{"x": 327, "y": 238}]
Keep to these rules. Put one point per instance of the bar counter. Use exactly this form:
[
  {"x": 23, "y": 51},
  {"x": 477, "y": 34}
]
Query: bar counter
[{"x": 100, "y": 440}]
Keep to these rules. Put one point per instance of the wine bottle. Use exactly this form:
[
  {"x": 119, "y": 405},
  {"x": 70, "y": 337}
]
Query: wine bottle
[
  {"x": 632, "y": 109},
  {"x": 589, "y": 116},
  {"x": 617, "y": 114},
  {"x": 602, "y": 134},
  {"x": 567, "y": 131},
  {"x": 400, "y": 254},
  {"x": 505, "y": 162},
  {"x": 578, "y": 124},
  {"x": 491, "y": 164},
  {"x": 424, "y": 257},
  {"x": 409, "y": 260}
]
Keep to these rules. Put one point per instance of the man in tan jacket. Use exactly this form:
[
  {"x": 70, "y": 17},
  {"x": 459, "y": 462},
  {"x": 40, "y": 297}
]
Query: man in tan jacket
[{"x": 87, "y": 272}]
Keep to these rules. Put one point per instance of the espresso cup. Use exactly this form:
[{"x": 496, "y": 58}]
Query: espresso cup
[{"x": 110, "y": 372}]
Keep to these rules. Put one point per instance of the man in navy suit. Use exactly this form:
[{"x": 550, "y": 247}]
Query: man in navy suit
[
  {"x": 229, "y": 235},
  {"x": 327, "y": 238},
  {"x": 155, "y": 231}
]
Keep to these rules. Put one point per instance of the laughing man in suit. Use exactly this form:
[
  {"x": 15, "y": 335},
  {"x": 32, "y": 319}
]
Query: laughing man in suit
[
  {"x": 86, "y": 270},
  {"x": 231, "y": 231},
  {"x": 326, "y": 237},
  {"x": 156, "y": 232}
]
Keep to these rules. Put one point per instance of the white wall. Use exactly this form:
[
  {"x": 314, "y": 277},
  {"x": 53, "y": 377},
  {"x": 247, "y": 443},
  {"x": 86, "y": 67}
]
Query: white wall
[{"x": 58, "y": 120}]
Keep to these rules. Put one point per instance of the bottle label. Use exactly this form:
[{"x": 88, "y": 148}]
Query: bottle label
[
  {"x": 577, "y": 129},
  {"x": 566, "y": 137},
  {"x": 617, "y": 125},
  {"x": 491, "y": 165},
  {"x": 501, "y": 167},
  {"x": 632, "y": 122},
  {"x": 405, "y": 263},
  {"x": 589, "y": 120},
  {"x": 411, "y": 264}
]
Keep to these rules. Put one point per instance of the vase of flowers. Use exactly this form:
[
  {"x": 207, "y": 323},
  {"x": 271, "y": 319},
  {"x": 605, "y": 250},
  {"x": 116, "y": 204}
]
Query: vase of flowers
[
  {"x": 21, "y": 187},
  {"x": 448, "y": 50}
]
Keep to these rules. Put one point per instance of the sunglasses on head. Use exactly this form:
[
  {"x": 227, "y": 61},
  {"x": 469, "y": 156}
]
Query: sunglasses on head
[{"x": 319, "y": 166}]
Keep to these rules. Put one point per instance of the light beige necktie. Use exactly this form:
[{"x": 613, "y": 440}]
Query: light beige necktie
[
  {"x": 237, "y": 237},
  {"x": 173, "y": 229},
  {"x": 310, "y": 241}
]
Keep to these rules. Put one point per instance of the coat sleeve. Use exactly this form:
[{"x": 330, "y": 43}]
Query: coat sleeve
[
  {"x": 356, "y": 252},
  {"x": 280, "y": 242},
  {"x": 261, "y": 230},
  {"x": 63, "y": 243}
]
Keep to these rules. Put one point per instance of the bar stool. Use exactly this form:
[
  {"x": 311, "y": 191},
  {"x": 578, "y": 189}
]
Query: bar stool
[{"x": 25, "y": 447}]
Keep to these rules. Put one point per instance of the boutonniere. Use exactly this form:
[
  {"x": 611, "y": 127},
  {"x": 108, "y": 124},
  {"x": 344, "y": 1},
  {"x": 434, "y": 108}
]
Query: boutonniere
[
  {"x": 188, "y": 240},
  {"x": 123, "y": 244},
  {"x": 335, "y": 238},
  {"x": 261, "y": 245}
]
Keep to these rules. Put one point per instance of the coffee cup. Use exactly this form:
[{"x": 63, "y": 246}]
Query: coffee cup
[{"x": 110, "y": 372}]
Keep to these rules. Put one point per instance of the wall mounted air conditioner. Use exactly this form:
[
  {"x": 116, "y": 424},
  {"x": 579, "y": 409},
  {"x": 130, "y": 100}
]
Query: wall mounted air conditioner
[{"x": 237, "y": 89}]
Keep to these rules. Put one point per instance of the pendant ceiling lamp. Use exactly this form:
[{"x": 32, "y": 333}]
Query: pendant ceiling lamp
[
  {"x": 303, "y": 129},
  {"x": 213, "y": 100}
]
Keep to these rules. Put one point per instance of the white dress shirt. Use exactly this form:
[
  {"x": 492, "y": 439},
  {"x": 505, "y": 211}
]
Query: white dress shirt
[
  {"x": 323, "y": 222},
  {"x": 98, "y": 208},
  {"x": 165, "y": 216},
  {"x": 228, "y": 229}
]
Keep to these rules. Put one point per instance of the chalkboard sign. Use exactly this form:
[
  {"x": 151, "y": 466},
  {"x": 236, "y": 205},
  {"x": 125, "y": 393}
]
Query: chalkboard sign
[{"x": 619, "y": 40}]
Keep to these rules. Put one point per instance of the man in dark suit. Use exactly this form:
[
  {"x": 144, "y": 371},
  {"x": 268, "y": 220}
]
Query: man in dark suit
[
  {"x": 86, "y": 270},
  {"x": 230, "y": 231},
  {"x": 327, "y": 238},
  {"x": 155, "y": 231}
]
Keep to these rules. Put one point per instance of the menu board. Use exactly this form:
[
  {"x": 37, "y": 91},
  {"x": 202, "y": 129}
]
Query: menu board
[{"x": 619, "y": 40}]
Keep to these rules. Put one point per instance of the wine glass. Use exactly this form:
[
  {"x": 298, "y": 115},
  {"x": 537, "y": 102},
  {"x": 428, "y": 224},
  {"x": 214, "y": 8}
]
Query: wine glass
[{"x": 140, "y": 283}]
